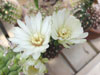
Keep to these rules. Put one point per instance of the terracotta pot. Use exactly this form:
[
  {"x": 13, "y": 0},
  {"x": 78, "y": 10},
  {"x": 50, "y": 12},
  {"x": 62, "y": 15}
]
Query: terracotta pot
[{"x": 93, "y": 35}]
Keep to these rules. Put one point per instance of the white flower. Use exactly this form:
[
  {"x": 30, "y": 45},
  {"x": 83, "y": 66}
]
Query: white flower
[
  {"x": 33, "y": 67},
  {"x": 33, "y": 36},
  {"x": 66, "y": 28}
]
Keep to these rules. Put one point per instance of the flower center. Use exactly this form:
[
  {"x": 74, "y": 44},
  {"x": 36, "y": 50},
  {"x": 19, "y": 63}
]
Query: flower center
[
  {"x": 32, "y": 70},
  {"x": 64, "y": 32},
  {"x": 37, "y": 39}
]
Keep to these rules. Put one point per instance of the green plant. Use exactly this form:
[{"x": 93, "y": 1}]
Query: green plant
[
  {"x": 36, "y": 3},
  {"x": 9, "y": 62},
  {"x": 9, "y": 12},
  {"x": 83, "y": 11}
]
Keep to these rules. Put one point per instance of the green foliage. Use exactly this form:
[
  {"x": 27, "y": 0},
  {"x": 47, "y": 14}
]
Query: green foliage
[
  {"x": 9, "y": 62},
  {"x": 36, "y": 3},
  {"x": 87, "y": 3}
]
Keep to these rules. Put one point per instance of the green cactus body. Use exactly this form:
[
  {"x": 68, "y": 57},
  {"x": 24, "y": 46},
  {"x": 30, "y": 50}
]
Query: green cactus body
[
  {"x": 83, "y": 13},
  {"x": 9, "y": 62},
  {"x": 9, "y": 12},
  {"x": 13, "y": 73}
]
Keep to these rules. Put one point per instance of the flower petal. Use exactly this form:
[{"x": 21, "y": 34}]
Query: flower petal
[
  {"x": 26, "y": 54},
  {"x": 38, "y": 20},
  {"x": 18, "y": 49},
  {"x": 61, "y": 17},
  {"x": 83, "y": 35},
  {"x": 77, "y": 41},
  {"x": 23, "y": 26},
  {"x": 36, "y": 55},
  {"x": 46, "y": 26}
]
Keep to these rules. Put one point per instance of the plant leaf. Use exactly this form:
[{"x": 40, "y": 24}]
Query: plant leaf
[{"x": 36, "y": 3}]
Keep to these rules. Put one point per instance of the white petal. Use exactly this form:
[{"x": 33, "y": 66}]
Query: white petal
[
  {"x": 14, "y": 40},
  {"x": 19, "y": 32},
  {"x": 27, "y": 21},
  {"x": 84, "y": 35},
  {"x": 28, "y": 47},
  {"x": 76, "y": 33},
  {"x": 73, "y": 21},
  {"x": 22, "y": 25},
  {"x": 54, "y": 36},
  {"x": 47, "y": 39},
  {"x": 65, "y": 45},
  {"x": 26, "y": 54},
  {"x": 46, "y": 26},
  {"x": 33, "y": 25},
  {"x": 75, "y": 26},
  {"x": 20, "y": 42},
  {"x": 44, "y": 47},
  {"x": 29, "y": 62},
  {"x": 36, "y": 55},
  {"x": 61, "y": 17},
  {"x": 38, "y": 21},
  {"x": 54, "y": 21},
  {"x": 41, "y": 48},
  {"x": 18, "y": 49},
  {"x": 76, "y": 41}
]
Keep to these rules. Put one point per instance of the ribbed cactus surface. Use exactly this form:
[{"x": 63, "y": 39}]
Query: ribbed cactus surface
[
  {"x": 8, "y": 62},
  {"x": 9, "y": 12},
  {"x": 84, "y": 12},
  {"x": 53, "y": 50}
]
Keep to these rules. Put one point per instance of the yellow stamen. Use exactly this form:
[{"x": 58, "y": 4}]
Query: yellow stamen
[
  {"x": 64, "y": 32},
  {"x": 37, "y": 39},
  {"x": 32, "y": 70}
]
